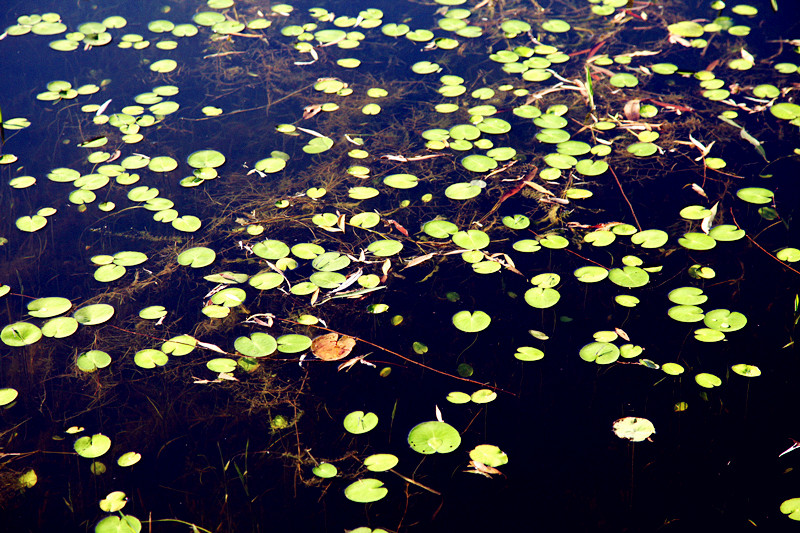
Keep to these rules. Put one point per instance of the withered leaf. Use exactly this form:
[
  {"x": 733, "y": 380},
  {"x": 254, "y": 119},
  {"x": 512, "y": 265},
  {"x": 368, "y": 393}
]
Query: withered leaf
[{"x": 330, "y": 347}]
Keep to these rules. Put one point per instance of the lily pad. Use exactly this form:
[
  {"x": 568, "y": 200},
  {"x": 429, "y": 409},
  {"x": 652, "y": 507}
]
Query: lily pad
[
  {"x": 93, "y": 446},
  {"x": 471, "y": 322},
  {"x": 635, "y": 429},
  {"x": 434, "y": 437},
  {"x": 366, "y": 490}
]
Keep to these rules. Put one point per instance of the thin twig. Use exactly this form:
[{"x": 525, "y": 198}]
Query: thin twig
[
  {"x": 626, "y": 198},
  {"x": 761, "y": 247}
]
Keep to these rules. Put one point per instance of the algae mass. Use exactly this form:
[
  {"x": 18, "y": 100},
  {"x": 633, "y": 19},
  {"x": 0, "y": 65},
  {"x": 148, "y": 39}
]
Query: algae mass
[{"x": 419, "y": 266}]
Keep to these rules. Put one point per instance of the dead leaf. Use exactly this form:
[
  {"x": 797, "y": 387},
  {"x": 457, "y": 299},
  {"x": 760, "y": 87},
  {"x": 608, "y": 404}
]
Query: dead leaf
[
  {"x": 622, "y": 334},
  {"x": 699, "y": 190},
  {"x": 482, "y": 469},
  {"x": 210, "y": 346},
  {"x": 705, "y": 225},
  {"x": 631, "y": 109},
  {"x": 417, "y": 260},
  {"x": 330, "y": 347},
  {"x": 310, "y": 111}
]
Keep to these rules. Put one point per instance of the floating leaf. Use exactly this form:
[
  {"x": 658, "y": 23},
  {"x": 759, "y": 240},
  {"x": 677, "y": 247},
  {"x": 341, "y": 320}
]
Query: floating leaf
[
  {"x": 471, "y": 322},
  {"x": 92, "y": 447},
  {"x": 381, "y": 462},
  {"x": 325, "y": 470},
  {"x": 330, "y": 347},
  {"x": 434, "y": 437},
  {"x": 635, "y": 429},
  {"x": 366, "y": 491},
  {"x": 359, "y": 422}
]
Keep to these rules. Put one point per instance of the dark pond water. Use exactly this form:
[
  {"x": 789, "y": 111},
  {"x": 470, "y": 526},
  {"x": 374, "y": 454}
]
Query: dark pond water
[{"x": 487, "y": 115}]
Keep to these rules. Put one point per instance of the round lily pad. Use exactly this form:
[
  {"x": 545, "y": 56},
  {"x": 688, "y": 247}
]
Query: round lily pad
[
  {"x": 48, "y": 307},
  {"x": 197, "y": 257},
  {"x": 629, "y": 276},
  {"x": 381, "y": 462},
  {"x": 635, "y": 429},
  {"x": 434, "y": 437},
  {"x": 325, "y": 470},
  {"x": 755, "y": 195},
  {"x": 707, "y": 381},
  {"x": 724, "y": 320},
  {"x": 92, "y": 446},
  {"x": 542, "y": 297},
  {"x": 293, "y": 343},
  {"x": 366, "y": 491},
  {"x": 471, "y": 322},
  {"x": 93, "y": 314},
  {"x": 385, "y": 247}
]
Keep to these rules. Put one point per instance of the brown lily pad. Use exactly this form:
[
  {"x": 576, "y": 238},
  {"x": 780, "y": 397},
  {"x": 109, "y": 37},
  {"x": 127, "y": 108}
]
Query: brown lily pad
[{"x": 331, "y": 347}]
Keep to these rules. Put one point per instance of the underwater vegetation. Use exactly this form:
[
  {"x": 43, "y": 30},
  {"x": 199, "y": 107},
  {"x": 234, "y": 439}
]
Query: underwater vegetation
[{"x": 420, "y": 266}]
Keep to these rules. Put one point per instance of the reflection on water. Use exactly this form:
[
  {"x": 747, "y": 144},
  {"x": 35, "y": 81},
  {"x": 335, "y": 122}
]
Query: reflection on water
[{"x": 526, "y": 221}]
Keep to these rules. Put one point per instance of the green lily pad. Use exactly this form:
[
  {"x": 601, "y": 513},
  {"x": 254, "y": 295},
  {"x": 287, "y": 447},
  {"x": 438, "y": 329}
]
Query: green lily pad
[
  {"x": 791, "y": 508},
  {"x": 489, "y": 455},
  {"x": 180, "y": 345},
  {"x": 93, "y": 446},
  {"x": 221, "y": 365},
  {"x": 385, "y": 247},
  {"x": 527, "y": 353},
  {"x": 48, "y": 307},
  {"x": 686, "y": 313},
  {"x": 129, "y": 459},
  {"x": 709, "y": 335},
  {"x": 786, "y": 110},
  {"x": 20, "y": 334},
  {"x": 591, "y": 274},
  {"x": 748, "y": 371},
  {"x": 271, "y": 250},
  {"x": 707, "y": 381},
  {"x": 116, "y": 524},
  {"x": 471, "y": 239},
  {"x": 553, "y": 242},
  {"x": 697, "y": 241},
  {"x": 197, "y": 257},
  {"x": 471, "y": 322},
  {"x": 359, "y": 422},
  {"x": 724, "y": 320},
  {"x": 93, "y": 314},
  {"x": 635, "y": 429},
  {"x": 366, "y": 490},
  {"x": 673, "y": 369},
  {"x": 642, "y": 149},
  {"x": 790, "y": 255},
  {"x": 330, "y": 262},
  {"x": 687, "y": 296},
  {"x": 60, "y": 327},
  {"x": 8, "y": 396},
  {"x": 462, "y": 191},
  {"x": 755, "y": 195},
  {"x": 381, "y": 462},
  {"x": 150, "y": 358},
  {"x": 600, "y": 352},
  {"x": 325, "y": 470},
  {"x": 542, "y": 297},
  {"x": 92, "y": 360},
  {"x": 479, "y": 163},
  {"x": 293, "y": 343},
  {"x": 651, "y": 238},
  {"x": 629, "y": 276},
  {"x": 726, "y": 233},
  {"x": 434, "y": 437},
  {"x": 205, "y": 159}
]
